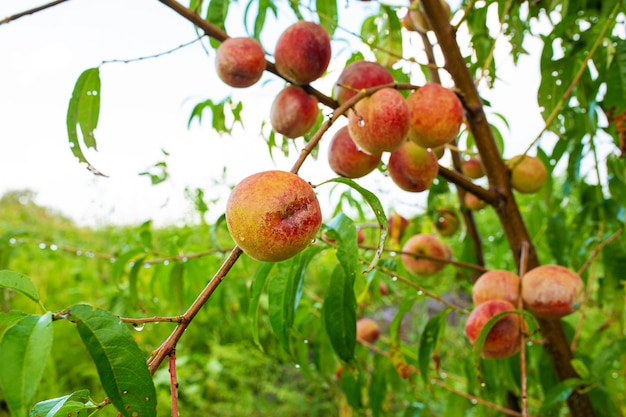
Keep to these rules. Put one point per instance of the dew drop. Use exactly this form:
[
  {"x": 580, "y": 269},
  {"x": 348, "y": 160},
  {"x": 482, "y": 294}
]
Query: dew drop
[
  {"x": 474, "y": 401},
  {"x": 443, "y": 375},
  {"x": 89, "y": 254},
  {"x": 360, "y": 122},
  {"x": 482, "y": 384},
  {"x": 12, "y": 241},
  {"x": 393, "y": 253},
  {"x": 185, "y": 259},
  {"x": 491, "y": 238},
  {"x": 125, "y": 392},
  {"x": 79, "y": 253},
  {"x": 394, "y": 278},
  {"x": 420, "y": 292},
  {"x": 131, "y": 264},
  {"x": 614, "y": 375},
  {"x": 147, "y": 398},
  {"x": 166, "y": 262},
  {"x": 53, "y": 247},
  {"x": 42, "y": 246},
  {"x": 297, "y": 366},
  {"x": 147, "y": 265},
  {"x": 112, "y": 260},
  {"x": 306, "y": 341},
  {"x": 139, "y": 326}
]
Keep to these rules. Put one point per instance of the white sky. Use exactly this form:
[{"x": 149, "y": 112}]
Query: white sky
[{"x": 145, "y": 106}]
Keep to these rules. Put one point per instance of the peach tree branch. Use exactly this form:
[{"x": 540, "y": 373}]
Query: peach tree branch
[{"x": 31, "y": 11}]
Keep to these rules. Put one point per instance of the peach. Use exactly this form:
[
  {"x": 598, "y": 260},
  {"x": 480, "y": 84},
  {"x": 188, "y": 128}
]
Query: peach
[
  {"x": 504, "y": 337},
  {"x": 397, "y": 226},
  {"x": 379, "y": 123},
  {"x": 346, "y": 159},
  {"x": 528, "y": 173},
  {"x": 273, "y": 215},
  {"x": 367, "y": 330},
  {"x": 496, "y": 285},
  {"x": 293, "y": 112},
  {"x": 474, "y": 203},
  {"x": 302, "y": 52},
  {"x": 240, "y": 62},
  {"x": 436, "y": 115},
  {"x": 413, "y": 168},
  {"x": 473, "y": 168},
  {"x": 357, "y": 76},
  {"x": 360, "y": 236},
  {"x": 551, "y": 291},
  {"x": 424, "y": 244},
  {"x": 447, "y": 222}
]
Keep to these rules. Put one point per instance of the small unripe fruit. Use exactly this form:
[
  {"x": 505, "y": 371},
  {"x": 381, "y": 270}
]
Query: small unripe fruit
[
  {"x": 379, "y": 123},
  {"x": 551, "y": 291},
  {"x": 302, "y": 52},
  {"x": 436, "y": 115},
  {"x": 367, "y": 330},
  {"x": 504, "y": 337},
  {"x": 357, "y": 76},
  {"x": 240, "y": 62},
  {"x": 496, "y": 285},
  {"x": 293, "y": 112},
  {"x": 473, "y": 168},
  {"x": 419, "y": 21},
  {"x": 424, "y": 244},
  {"x": 346, "y": 159},
  {"x": 528, "y": 173},
  {"x": 273, "y": 215},
  {"x": 397, "y": 226},
  {"x": 447, "y": 222},
  {"x": 474, "y": 203}
]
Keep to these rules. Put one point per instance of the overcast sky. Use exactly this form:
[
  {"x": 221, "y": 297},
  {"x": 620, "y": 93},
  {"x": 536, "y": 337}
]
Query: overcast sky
[{"x": 144, "y": 110}]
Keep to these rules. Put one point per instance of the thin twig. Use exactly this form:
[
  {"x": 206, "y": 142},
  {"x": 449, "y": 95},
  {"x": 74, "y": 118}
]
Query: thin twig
[
  {"x": 597, "y": 249},
  {"x": 31, "y": 11},
  {"x": 173, "y": 384},
  {"x": 156, "y": 319},
  {"x": 522, "y": 336}
]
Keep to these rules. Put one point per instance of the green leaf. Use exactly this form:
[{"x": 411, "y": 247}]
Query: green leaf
[
  {"x": 20, "y": 283},
  {"x": 256, "y": 289},
  {"x": 259, "y": 22},
  {"x": 64, "y": 406},
  {"x": 616, "y": 81},
  {"x": 342, "y": 230},
  {"x": 9, "y": 319},
  {"x": 216, "y": 14},
  {"x": 378, "y": 210},
  {"x": 327, "y": 12},
  {"x": 378, "y": 385},
  {"x": 83, "y": 111},
  {"x": 383, "y": 34},
  {"x": 428, "y": 342},
  {"x": 284, "y": 291},
  {"x": 24, "y": 351},
  {"x": 560, "y": 392},
  {"x": 122, "y": 368},
  {"x": 339, "y": 313}
]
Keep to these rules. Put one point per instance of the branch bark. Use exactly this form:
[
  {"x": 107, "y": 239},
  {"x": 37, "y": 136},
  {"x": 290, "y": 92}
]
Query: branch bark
[{"x": 556, "y": 343}]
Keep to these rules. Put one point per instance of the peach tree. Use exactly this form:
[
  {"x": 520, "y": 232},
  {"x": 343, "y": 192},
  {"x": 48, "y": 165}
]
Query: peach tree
[{"x": 515, "y": 264}]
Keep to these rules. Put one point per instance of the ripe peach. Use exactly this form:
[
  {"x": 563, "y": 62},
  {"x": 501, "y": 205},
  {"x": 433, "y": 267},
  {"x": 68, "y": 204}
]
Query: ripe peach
[
  {"x": 302, "y": 52},
  {"x": 293, "y": 112},
  {"x": 424, "y": 244},
  {"x": 357, "y": 76},
  {"x": 346, "y": 159},
  {"x": 436, "y": 115},
  {"x": 360, "y": 236},
  {"x": 474, "y": 203},
  {"x": 528, "y": 173},
  {"x": 504, "y": 337},
  {"x": 473, "y": 168},
  {"x": 413, "y": 168},
  {"x": 447, "y": 222},
  {"x": 240, "y": 62},
  {"x": 367, "y": 330},
  {"x": 551, "y": 291},
  {"x": 496, "y": 285},
  {"x": 273, "y": 215},
  {"x": 379, "y": 123}
]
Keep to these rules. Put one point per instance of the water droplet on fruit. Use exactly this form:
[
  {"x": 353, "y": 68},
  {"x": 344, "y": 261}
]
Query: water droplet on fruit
[{"x": 360, "y": 122}]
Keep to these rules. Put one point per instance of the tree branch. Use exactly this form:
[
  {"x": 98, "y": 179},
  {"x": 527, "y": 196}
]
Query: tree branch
[
  {"x": 556, "y": 343},
  {"x": 31, "y": 11}
]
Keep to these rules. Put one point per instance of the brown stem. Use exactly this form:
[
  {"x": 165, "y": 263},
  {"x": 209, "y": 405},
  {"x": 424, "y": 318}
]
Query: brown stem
[
  {"x": 556, "y": 343},
  {"x": 170, "y": 343},
  {"x": 31, "y": 11}
]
